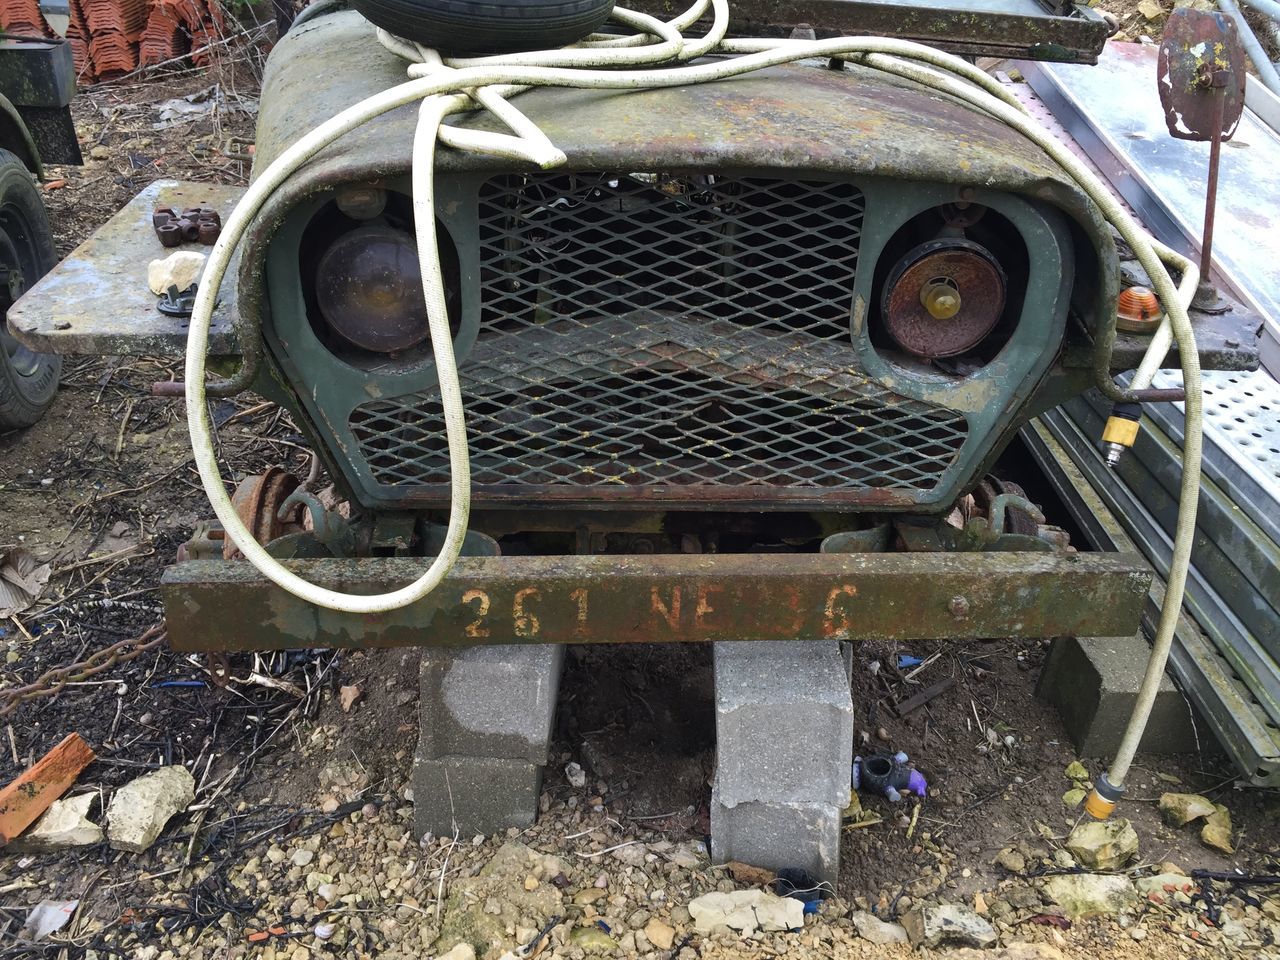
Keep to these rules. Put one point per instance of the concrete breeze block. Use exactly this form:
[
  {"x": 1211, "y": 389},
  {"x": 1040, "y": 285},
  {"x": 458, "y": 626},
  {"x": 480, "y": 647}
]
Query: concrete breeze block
[
  {"x": 777, "y": 835},
  {"x": 471, "y": 795},
  {"x": 1093, "y": 682},
  {"x": 489, "y": 701},
  {"x": 784, "y": 722}
]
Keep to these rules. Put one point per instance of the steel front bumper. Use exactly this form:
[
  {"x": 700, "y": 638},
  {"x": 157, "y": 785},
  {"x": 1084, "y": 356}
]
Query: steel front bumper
[{"x": 220, "y": 605}]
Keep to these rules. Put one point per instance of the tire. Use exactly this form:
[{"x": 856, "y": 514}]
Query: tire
[
  {"x": 28, "y": 380},
  {"x": 478, "y": 28}
]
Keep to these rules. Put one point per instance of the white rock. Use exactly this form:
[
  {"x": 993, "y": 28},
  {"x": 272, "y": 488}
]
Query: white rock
[
  {"x": 870, "y": 927},
  {"x": 64, "y": 826},
  {"x": 180, "y": 269},
  {"x": 1091, "y": 894},
  {"x": 141, "y": 808},
  {"x": 463, "y": 951},
  {"x": 576, "y": 776},
  {"x": 947, "y": 923},
  {"x": 746, "y": 910}
]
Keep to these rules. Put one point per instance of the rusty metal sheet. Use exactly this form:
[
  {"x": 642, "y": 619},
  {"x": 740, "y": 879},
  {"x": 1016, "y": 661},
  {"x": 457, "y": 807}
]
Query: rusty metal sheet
[
  {"x": 1043, "y": 30},
  {"x": 803, "y": 117},
  {"x": 220, "y": 605},
  {"x": 97, "y": 299},
  {"x": 1200, "y": 73}
]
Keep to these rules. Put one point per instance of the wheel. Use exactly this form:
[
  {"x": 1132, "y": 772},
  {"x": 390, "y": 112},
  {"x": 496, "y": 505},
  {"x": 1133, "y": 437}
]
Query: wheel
[
  {"x": 478, "y": 28},
  {"x": 28, "y": 380}
]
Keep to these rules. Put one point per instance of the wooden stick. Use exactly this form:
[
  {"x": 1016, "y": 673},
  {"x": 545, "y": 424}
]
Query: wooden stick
[
  {"x": 22, "y": 801},
  {"x": 923, "y": 697}
]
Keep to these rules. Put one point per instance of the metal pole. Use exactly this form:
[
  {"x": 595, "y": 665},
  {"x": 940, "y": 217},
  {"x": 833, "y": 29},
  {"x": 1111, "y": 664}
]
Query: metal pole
[
  {"x": 1266, "y": 70},
  {"x": 1211, "y": 194},
  {"x": 1270, "y": 7}
]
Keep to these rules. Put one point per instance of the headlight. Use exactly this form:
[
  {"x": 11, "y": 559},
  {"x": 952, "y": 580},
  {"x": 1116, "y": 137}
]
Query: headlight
[
  {"x": 369, "y": 289},
  {"x": 943, "y": 297}
]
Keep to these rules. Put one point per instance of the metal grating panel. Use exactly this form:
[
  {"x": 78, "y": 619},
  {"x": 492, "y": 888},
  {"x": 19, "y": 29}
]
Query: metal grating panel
[{"x": 642, "y": 329}]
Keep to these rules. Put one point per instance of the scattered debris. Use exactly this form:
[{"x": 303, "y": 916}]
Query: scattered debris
[
  {"x": 576, "y": 776},
  {"x": 349, "y": 696},
  {"x": 139, "y": 810},
  {"x": 49, "y": 916},
  {"x": 593, "y": 940},
  {"x": 22, "y": 581},
  {"x": 1103, "y": 845},
  {"x": 64, "y": 826},
  {"x": 1076, "y": 771},
  {"x": 1179, "y": 809},
  {"x": 29, "y": 796},
  {"x": 746, "y": 911},
  {"x": 888, "y": 775},
  {"x": 1216, "y": 832},
  {"x": 803, "y": 886},
  {"x": 870, "y": 927},
  {"x": 948, "y": 923},
  {"x": 661, "y": 935},
  {"x": 1163, "y": 883},
  {"x": 480, "y": 909},
  {"x": 746, "y": 873},
  {"x": 179, "y": 269},
  {"x": 1014, "y": 951},
  {"x": 1091, "y": 894},
  {"x": 1011, "y": 860},
  {"x": 462, "y": 951}
]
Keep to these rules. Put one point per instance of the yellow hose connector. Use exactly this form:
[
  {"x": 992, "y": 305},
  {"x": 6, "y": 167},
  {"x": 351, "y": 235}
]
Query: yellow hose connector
[
  {"x": 1121, "y": 431},
  {"x": 1098, "y": 806},
  {"x": 1103, "y": 799}
]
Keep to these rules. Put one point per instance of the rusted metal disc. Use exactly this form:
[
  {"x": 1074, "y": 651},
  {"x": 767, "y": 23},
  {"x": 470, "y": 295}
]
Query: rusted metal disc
[
  {"x": 1201, "y": 69},
  {"x": 257, "y": 501},
  {"x": 960, "y": 264}
]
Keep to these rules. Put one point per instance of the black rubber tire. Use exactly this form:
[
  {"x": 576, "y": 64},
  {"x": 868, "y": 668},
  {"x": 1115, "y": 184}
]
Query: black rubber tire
[
  {"x": 28, "y": 380},
  {"x": 478, "y": 28}
]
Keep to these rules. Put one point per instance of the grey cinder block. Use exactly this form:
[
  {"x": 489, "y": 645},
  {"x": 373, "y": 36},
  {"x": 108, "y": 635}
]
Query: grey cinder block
[
  {"x": 490, "y": 701},
  {"x": 784, "y": 722},
  {"x": 1094, "y": 681},
  {"x": 777, "y": 835},
  {"x": 471, "y": 795}
]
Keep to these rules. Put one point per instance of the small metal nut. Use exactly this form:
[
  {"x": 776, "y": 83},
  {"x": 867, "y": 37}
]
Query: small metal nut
[
  {"x": 170, "y": 234},
  {"x": 190, "y": 229},
  {"x": 959, "y": 607},
  {"x": 162, "y": 215},
  {"x": 208, "y": 231}
]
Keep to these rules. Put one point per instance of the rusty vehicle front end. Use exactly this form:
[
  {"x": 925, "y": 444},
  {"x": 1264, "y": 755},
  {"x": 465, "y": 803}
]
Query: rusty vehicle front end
[{"x": 741, "y": 369}]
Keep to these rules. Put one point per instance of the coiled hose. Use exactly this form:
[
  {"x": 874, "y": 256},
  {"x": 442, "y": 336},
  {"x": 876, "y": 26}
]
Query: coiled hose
[{"x": 447, "y": 85}]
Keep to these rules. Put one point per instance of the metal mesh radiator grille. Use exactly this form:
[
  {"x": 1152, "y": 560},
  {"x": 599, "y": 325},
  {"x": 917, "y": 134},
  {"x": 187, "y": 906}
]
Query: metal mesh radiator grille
[{"x": 690, "y": 332}]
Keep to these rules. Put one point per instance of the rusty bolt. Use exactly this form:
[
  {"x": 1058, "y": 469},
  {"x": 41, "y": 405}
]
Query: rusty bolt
[
  {"x": 959, "y": 607},
  {"x": 170, "y": 234},
  {"x": 208, "y": 231}
]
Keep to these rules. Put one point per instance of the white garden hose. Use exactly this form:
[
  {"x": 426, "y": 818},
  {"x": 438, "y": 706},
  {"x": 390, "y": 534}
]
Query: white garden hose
[{"x": 446, "y": 86}]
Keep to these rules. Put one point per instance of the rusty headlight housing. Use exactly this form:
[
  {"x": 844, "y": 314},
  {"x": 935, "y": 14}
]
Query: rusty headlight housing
[
  {"x": 369, "y": 289},
  {"x": 943, "y": 297}
]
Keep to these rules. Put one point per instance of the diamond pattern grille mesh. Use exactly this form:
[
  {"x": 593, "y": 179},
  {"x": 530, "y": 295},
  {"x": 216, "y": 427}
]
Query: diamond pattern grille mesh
[{"x": 643, "y": 329}]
